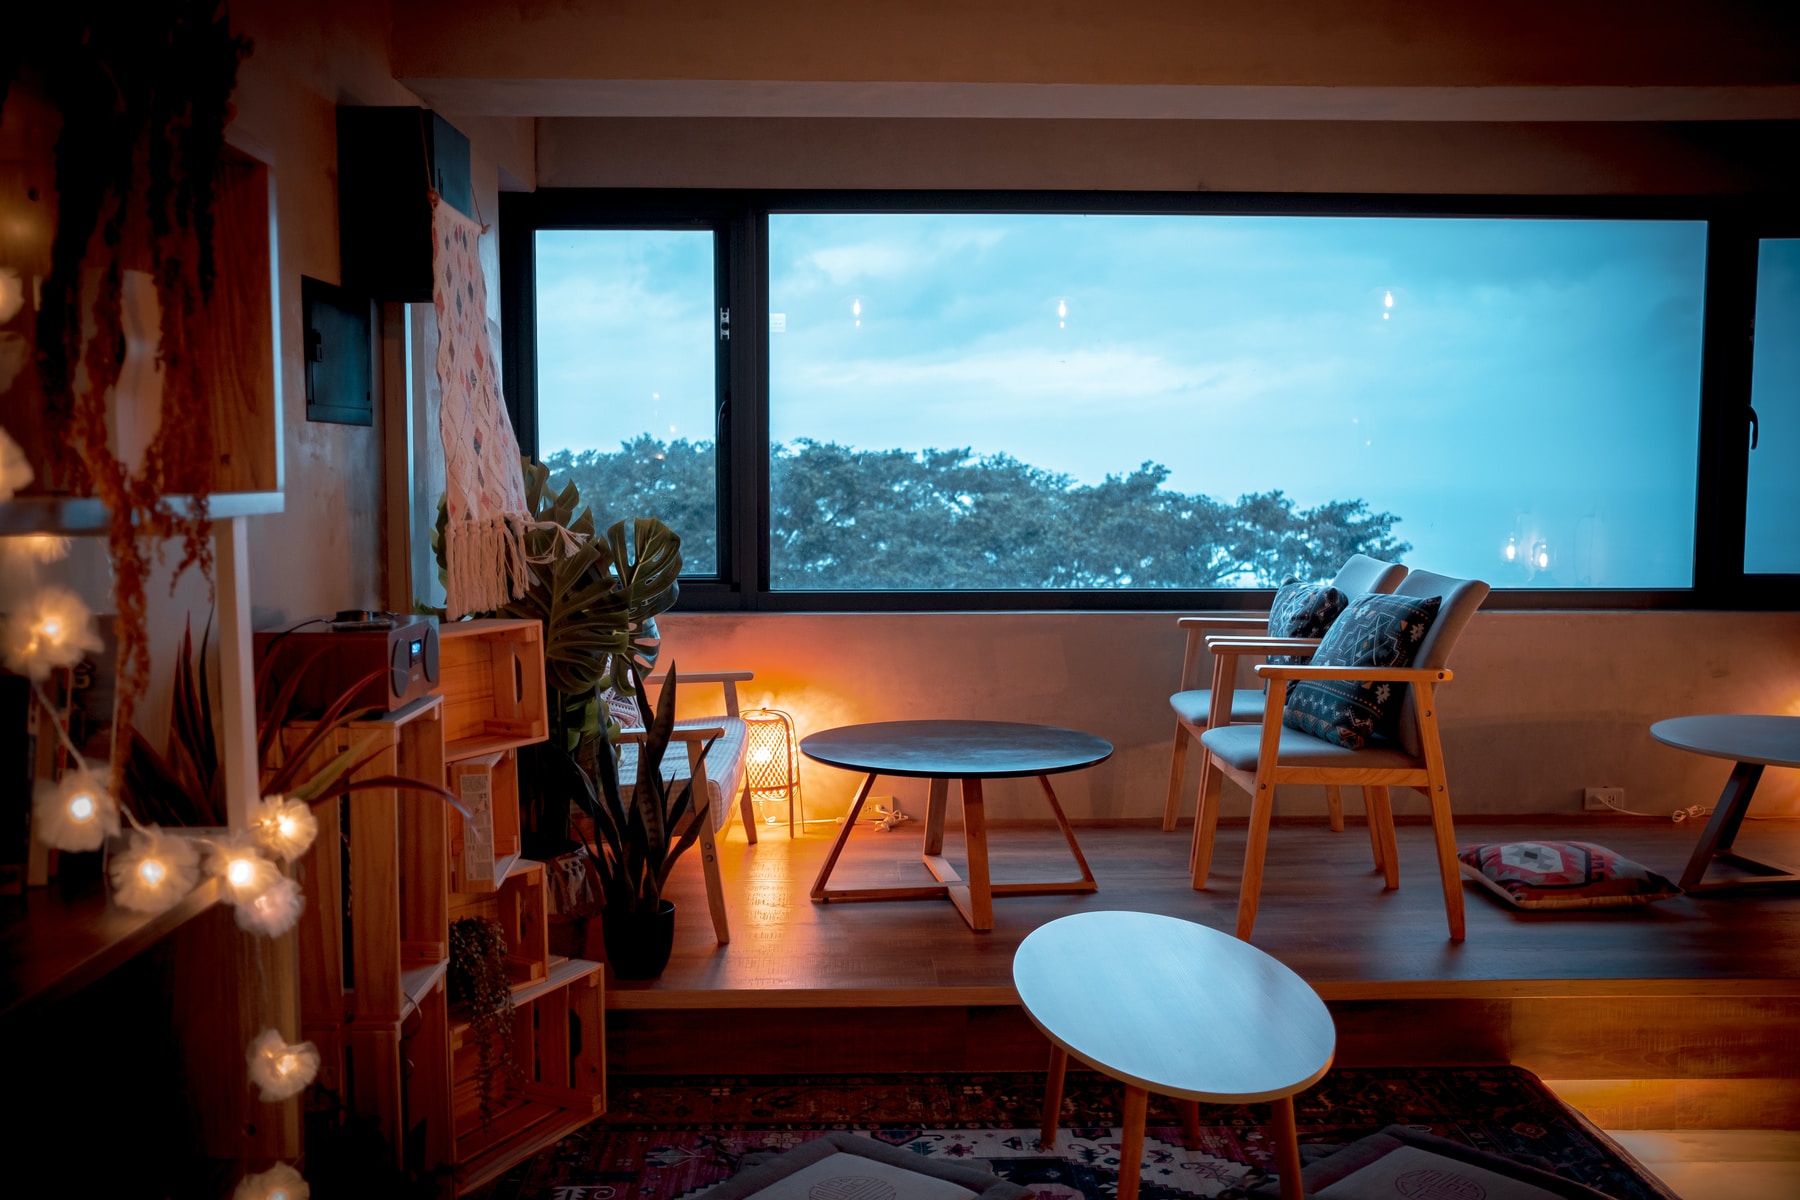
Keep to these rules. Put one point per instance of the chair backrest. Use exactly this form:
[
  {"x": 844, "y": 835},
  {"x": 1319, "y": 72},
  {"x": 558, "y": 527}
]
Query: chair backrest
[
  {"x": 1460, "y": 598},
  {"x": 1361, "y": 575}
]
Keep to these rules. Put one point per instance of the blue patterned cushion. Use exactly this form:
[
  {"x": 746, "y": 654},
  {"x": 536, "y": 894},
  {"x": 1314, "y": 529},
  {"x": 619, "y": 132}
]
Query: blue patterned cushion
[
  {"x": 1375, "y": 631},
  {"x": 1303, "y": 610}
]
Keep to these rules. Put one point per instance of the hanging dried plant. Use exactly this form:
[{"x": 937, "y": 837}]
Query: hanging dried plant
[
  {"x": 143, "y": 91},
  {"x": 478, "y": 978}
]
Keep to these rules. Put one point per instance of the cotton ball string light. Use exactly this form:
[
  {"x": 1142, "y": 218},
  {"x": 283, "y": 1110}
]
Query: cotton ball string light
[
  {"x": 275, "y": 911},
  {"x": 47, "y": 628},
  {"x": 285, "y": 827},
  {"x": 247, "y": 874},
  {"x": 279, "y": 1182},
  {"x": 279, "y": 1069},
  {"x": 74, "y": 813},
  {"x": 15, "y": 472},
  {"x": 40, "y": 547},
  {"x": 156, "y": 870}
]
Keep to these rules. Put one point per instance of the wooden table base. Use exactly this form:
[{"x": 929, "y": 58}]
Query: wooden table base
[
  {"x": 1131, "y": 1130},
  {"x": 973, "y": 897},
  {"x": 1722, "y": 830}
]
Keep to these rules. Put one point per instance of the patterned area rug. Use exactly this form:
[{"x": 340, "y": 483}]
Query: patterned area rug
[{"x": 667, "y": 1138}]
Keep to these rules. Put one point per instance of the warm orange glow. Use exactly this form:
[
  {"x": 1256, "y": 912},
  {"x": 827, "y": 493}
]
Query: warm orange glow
[{"x": 772, "y": 763}]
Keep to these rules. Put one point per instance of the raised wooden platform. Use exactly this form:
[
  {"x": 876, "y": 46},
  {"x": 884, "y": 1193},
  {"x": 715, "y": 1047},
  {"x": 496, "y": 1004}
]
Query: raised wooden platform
[{"x": 1684, "y": 1013}]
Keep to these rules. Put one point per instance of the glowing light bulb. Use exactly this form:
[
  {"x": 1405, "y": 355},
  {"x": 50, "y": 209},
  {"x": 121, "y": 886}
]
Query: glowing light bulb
[
  {"x": 280, "y": 1069},
  {"x": 76, "y": 812},
  {"x": 240, "y": 872},
  {"x": 760, "y": 755},
  {"x": 285, "y": 827},
  {"x": 152, "y": 872},
  {"x": 50, "y": 628}
]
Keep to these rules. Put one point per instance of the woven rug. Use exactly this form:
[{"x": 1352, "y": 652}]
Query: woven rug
[{"x": 667, "y": 1138}]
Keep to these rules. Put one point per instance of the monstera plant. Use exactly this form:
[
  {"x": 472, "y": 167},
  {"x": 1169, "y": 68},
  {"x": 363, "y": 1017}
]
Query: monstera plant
[{"x": 598, "y": 597}]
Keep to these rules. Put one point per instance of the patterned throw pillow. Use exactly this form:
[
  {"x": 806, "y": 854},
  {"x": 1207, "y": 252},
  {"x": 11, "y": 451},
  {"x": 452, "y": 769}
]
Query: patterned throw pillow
[
  {"x": 1562, "y": 875},
  {"x": 1303, "y": 610},
  {"x": 1375, "y": 631}
]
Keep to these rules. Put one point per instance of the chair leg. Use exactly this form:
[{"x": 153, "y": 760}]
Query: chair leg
[
  {"x": 1177, "y": 768},
  {"x": 1334, "y": 804},
  {"x": 715, "y": 887},
  {"x": 1206, "y": 822},
  {"x": 1443, "y": 831},
  {"x": 1262, "y": 808},
  {"x": 1374, "y": 833},
  {"x": 1381, "y": 829},
  {"x": 748, "y": 811}
]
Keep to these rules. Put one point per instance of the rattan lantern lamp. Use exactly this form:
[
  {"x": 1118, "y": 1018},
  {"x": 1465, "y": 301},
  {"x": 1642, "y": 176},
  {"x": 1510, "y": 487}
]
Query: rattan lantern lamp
[{"x": 772, "y": 764}]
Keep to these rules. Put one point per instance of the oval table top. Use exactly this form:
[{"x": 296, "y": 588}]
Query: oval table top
[
  {"x": 1173, "y": 1007},
  {"x": 956, "y": 749},
  {"x": 1744, "y": 737}
]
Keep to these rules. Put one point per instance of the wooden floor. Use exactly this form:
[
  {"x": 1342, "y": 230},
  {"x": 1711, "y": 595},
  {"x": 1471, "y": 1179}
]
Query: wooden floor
[{"x": 1324, "y": 913}]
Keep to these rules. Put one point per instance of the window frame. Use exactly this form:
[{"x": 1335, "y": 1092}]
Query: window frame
[{"x": 1734, "y": 226}]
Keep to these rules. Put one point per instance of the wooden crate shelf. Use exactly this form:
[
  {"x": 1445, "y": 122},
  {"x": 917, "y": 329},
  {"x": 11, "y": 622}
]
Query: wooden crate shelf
[
  {"x": 559, "y": 1043},
  {"x": 492, "y": 675},
  {"x": 521, "y": 906},
  {"x": 484, "y": 847}
]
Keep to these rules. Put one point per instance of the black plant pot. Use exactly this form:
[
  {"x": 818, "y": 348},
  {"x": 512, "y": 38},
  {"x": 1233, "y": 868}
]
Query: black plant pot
[{"x": 638, "y": 942}]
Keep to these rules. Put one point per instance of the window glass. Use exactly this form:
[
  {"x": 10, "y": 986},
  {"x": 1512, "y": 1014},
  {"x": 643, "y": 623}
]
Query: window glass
[
  {"x": 626, "y": 377},
  {"x": 1064, "y": 401},
  {"x": 1772, "y": 518}
]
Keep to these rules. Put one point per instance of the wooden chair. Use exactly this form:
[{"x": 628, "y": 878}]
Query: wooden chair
[
  {"x": 718, "y": 773},
  {"x": 1260, "y": 757},
  {"x": 1193, "y": 704}
]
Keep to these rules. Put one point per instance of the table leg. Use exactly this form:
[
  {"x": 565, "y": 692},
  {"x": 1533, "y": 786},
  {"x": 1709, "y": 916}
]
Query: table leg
[
  {"x": 981, "y": 896},
  {"x": 937, "y": 800},
  {"x": 1131, "y": 1142},
  {"x": 1053, "y": 1090},
  {"x": 1190, "y": 1123},
  {"x": 837, "y": 847},
  {"x": 1287, "y": 1148},
  {"x": 1722, "y": 830}
]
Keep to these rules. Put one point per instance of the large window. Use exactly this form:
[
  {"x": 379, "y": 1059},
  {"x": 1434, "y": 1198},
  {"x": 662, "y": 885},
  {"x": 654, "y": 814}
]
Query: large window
[{"x": 954, "y": 401}]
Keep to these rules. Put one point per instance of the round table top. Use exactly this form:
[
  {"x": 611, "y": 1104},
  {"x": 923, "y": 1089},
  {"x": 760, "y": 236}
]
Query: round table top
[
  {"x": 956, "y": 749},
  {"x": 1173, "y": 1007},
  {"x": 1743, "y": 737}
]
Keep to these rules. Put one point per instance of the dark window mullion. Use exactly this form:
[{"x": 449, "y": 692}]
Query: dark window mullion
[{"x": 1724, "y": 406}]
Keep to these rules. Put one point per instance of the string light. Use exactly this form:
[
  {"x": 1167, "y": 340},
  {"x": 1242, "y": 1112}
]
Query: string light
[
  {"x": 279, "y": 1069},
  {"x": 274, "y": 910},
  {"x": 156, "y": 870},
  {"x": 15, "y": 472},
  {"x": 75, "y": 813},
  {"x": 279, "y": 1182},
  {"x": 246, "y": 873},
  {"x": 49, "y": 628},
  {"x": 285, "y": 827},
  {"x": 39, "y": 547}
]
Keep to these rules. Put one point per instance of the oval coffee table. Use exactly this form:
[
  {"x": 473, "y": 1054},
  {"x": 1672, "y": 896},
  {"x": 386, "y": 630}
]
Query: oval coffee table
[
  {"x": 1753, "y": 741},
  {"x": 1171, "y": 1007},
  {"x": 971, "y": 751}
]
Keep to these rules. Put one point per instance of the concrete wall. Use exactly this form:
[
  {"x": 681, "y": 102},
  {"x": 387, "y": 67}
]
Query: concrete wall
[{"x": 1543, "y": 703}]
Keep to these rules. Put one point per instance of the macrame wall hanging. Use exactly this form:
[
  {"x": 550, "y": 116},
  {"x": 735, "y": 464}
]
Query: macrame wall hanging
[{"x": 484, "y": 497}]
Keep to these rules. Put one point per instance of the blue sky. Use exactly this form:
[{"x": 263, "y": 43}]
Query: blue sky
[{"x": 1532, "y": 380}]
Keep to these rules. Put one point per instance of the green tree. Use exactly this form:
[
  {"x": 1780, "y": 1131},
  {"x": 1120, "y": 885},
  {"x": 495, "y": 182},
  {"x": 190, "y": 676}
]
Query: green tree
[{"x": 947, "y": 520}]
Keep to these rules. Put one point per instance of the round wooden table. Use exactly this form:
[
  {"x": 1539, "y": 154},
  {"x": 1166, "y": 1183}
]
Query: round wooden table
[
  {"x": 1753, "y": 742},
  {"x": 1171, "y": 1007},
  {"x": 970, "y": 751}
]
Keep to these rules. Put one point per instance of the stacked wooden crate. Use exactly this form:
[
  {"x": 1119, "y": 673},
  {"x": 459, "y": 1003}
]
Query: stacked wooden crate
[{"x": 375, "y": 969}]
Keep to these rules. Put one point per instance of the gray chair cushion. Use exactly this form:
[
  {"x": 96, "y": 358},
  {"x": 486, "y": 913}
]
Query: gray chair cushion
[
  {"x": 1237, "y": 746},
  {"x": 1196, "y": 706}
]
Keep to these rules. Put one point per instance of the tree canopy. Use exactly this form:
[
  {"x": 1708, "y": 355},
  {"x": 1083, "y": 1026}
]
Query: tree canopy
[{"x": 945, "y": 520}]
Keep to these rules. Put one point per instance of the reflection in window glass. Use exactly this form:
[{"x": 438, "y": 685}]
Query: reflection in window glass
[
  {"x": 626, "y": 377},
  {"x": 1051, "y": 401},
  {"x": 1772, "y": 518}
]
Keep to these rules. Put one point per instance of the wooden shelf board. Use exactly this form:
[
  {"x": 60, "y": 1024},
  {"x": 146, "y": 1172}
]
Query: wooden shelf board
[
  {"x": 563, "y": 971},
  {"x": 458, "y": 749},
  {"x": 84, "y": 515},
  {"x": 59, "y": 946},
  {"x": 547, "y": 1124},
  {"x": 417, "y": 984}
]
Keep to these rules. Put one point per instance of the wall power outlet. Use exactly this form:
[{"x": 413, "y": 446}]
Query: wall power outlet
[{"x": 1603, "y": 799}]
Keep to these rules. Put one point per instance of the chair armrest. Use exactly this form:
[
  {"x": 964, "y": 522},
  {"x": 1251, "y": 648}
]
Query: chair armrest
[
  {"x": 1262, "y": 645},
  {"x": 1229, "y": 622},
  {"x": 705, "y": 677},
  {"x": 1363, "y": 674},
  {"x": 638, "y": 736}
]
